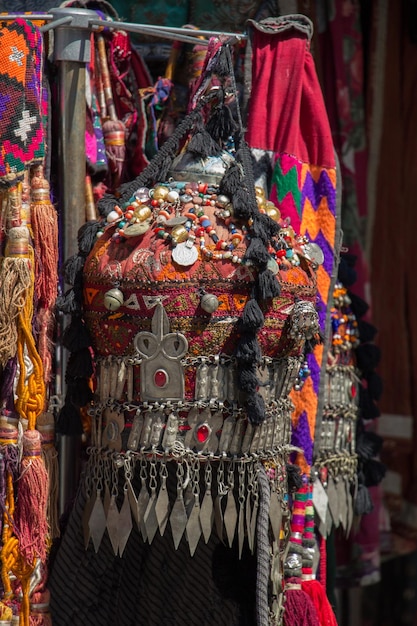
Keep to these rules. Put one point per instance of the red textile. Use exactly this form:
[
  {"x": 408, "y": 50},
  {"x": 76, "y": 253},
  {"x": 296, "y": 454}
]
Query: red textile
[{"x": 281, "y": 95}]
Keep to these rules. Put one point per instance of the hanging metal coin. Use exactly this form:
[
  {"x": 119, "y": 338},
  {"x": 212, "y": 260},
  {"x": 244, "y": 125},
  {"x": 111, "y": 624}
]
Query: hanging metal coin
[
  {"x": 313, "y": 252},
  {"x": 185, "y": 254}
]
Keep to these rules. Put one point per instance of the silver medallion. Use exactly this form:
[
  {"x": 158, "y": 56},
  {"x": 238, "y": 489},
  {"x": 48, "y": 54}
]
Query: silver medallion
[
  {"x": 185, "y": 254},
  {"x": 313, "y": 252}
]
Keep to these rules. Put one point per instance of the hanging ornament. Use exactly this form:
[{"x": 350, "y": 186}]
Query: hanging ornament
[
  {"x": 113, "y": 299},
  {"x": 209, "y": 302}
]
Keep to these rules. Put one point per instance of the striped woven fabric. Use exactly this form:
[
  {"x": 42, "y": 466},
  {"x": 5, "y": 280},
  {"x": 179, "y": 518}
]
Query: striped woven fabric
[
  {"x": 22, "y": 99},
  {"x": 288, "y": 130}
]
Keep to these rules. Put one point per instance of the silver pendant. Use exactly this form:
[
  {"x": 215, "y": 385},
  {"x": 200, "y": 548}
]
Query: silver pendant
[
  {"x": 313, "y": 252},
  {"x": 162, "y": 504},
  {"x": 206, "y": 511},
  {"x": 161, "y": 371},
  {"x": 193, "y": 528},
  {"x": 125, "y": 524},
  {"x": 97, "y": 522},
  {"x": 185, "y": 254},
  {"x": 230, "y": 516},
  {"x": 112, "y": 525}
]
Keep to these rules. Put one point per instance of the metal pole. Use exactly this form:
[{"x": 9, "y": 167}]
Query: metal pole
[{"x": 71, "y": 52}]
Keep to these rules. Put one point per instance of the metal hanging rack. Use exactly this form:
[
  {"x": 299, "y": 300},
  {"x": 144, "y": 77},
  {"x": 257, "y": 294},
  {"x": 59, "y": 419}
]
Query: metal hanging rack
[{"x": 71, "y": 52}]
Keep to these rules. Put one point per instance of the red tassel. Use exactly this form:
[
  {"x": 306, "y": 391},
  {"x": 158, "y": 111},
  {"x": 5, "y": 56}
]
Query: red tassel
[
  {"x": 315, "y": 590},
  {"x": 31, "y": 506},
  {"x": 299, "y": 609},
  {"x": 44, "y": 222}
]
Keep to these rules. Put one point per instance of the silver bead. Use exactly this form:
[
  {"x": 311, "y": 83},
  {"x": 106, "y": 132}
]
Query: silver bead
[
  {"x": 209, "y": 303},
  {"x": 113, "y": 299}
]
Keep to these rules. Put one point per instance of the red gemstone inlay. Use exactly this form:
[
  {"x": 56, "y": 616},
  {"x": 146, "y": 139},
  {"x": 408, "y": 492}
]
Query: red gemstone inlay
[
  {"x": 353, "y": 391},
  {"x": 203, "y": 433},
  {"x": 160, "y": 378}
]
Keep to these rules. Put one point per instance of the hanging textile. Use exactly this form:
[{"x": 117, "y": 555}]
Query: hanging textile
[
  {"x": 290, "y": 138},
  {"x": 28, "y": 279},
  {"x": 291, "y": 142}
]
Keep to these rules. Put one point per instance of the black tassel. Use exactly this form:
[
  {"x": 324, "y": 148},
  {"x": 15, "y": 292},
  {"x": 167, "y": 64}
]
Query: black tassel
[
  {"x": 367, "y": 357},
  {"x": 221, "y": 124},
  {"x": 68, "y": 303},
  {"x": 68, "y": 421},
  {"x": 256, "y": 252},
  {"x": 368, "y": 408},
  {"x": 106, "y": 204},
  {"x": 79, "y": 393},
  {"x": 373, "y": 471},
  {"x": 248, "y": 350},
  {"x": 255, "y": 408},
  {"x": 72, "y": 268},
  {"x": 76, "y": 336},
  {"x": 247, "y": 379},
  {"x": 242, "y": 209},
  {"x": 80, "y": 365},
  {"x": 368, "y": 444},
  {"x": 264, "y": 227},
  {"x": 294, "y": 478},
  {"x": 231, "y": 181},
  {"x": 203, "y": 145},
  {"x": 367, "y": 331},
  {"x": 87, "y": 236},
  {"x": 363, "y": 503},
  {"x": 375, "y": 385},
  {"x": 222, "y": 66},
  {"x": 268, "y": 285},
  {"x": 358, "y": 305},
  {"x": 252, "y": 317},
  {"x": 345, "y": 273}
]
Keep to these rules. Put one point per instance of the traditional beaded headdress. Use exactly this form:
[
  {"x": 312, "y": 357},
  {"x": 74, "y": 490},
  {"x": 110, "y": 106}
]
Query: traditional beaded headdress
[{"x": 201, "y": 302}]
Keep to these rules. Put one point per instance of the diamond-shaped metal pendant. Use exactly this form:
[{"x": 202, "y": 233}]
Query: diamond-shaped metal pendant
[
  {"x": 97, "y": 522},
  {"x": 143, "y": 501},
  {"x": 125, "y": 524},
  {"x": 113, "y": 518},
  {"x": 162, "y": 509},
  {"x": 178, "y": 520},
  {"x": 133, "y": 501},
  {"x": 193, "y": 528},
  {"x": 207, "y": 515},
  {"x": 150, "y": 519},
  {"x": 230, "y": 517}
]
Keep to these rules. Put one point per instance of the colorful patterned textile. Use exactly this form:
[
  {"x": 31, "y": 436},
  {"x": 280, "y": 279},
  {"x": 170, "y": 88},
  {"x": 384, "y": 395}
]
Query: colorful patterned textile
[
  {"x": 287, "y": 124},
  {"x": 21, "y": 99}
]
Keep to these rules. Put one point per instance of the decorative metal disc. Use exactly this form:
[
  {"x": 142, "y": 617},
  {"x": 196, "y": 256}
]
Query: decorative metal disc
[
  {"x": 184, "y": 254},
  {"x": 313, "y": 252}
]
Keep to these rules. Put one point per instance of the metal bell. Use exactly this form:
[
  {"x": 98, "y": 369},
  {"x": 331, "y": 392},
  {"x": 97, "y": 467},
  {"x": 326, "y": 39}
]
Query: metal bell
[
  {"x": 113, "y": 299},
  {"x": 209, "y": 302}
]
